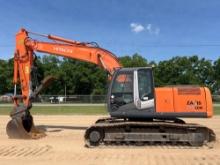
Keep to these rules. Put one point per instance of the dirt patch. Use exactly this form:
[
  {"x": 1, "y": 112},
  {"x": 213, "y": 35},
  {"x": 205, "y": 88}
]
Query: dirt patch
[
  {"x": 23, "y": 151},
  {"x": 64, "y": 144}
]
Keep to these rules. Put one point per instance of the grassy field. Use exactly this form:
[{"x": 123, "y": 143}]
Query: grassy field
[
  {"x": 61, "y": 110},
  {"x": 72, "y": 110},
  {"x": 217, "y": 110}
]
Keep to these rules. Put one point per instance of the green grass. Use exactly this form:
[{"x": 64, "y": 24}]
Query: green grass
[
  {"x": 216, "y": 110},
  {"x": 61, "y": 110},
  {"x": 73, "y": 110}
]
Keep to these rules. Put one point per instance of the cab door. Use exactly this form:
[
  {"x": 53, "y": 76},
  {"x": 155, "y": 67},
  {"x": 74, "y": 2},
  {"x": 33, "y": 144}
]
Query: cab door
[
  {"x": 144, "y": 93},
  {"x": 122, "y": 93}
]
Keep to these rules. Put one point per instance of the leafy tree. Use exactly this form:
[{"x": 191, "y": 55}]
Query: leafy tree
[
  {"x": 3, "y": 76},
  {"x": 216, "y": 79},
  {"x": 6, "y": 76},
  {"x": 85, "y": 78},
  {"x": 49, "y": 66},
  {"x": 184, "y": 70},
  {"x": 133, "y": 61}
]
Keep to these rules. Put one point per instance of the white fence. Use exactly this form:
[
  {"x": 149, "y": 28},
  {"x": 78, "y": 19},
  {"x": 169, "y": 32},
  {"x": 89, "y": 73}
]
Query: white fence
[
  {"x": 72, "y": 99},
  {"x": 64, "y": 99}
]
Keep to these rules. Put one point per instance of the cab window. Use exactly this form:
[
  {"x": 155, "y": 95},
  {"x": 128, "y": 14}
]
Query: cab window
[
  {"x": 145, "y": 84},
  {"x": 122, "y": 89}
]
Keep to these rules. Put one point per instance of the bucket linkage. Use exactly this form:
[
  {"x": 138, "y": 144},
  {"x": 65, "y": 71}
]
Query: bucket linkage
[{"x": 21, "y": 125}]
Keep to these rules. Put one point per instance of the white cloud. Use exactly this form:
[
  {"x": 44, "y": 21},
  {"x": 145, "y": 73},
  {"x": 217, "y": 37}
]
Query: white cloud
[
  {"x": 151, "y": 29},
  {"x": 157, "y": 31},
  {"x": 136, "y": 27}
]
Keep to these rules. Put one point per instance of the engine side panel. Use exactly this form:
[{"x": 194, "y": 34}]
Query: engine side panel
[
  {"x": 184, "y": 101},
  {"x": 209, "y": 104},
  {"x": 164, "y": 100}
]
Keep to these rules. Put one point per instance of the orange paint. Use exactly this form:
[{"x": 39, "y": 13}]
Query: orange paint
[
  {"x": 25, "y": 47},
  {"x": 184, "y": 99},
  {"x": 164, "y": 99}
]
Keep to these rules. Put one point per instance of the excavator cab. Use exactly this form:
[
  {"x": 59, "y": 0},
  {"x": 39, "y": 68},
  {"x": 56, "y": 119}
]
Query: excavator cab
[{"x": 131, "y": 93}]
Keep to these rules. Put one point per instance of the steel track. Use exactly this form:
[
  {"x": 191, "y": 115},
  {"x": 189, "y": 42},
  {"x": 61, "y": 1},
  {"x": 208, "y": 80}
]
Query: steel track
[{"x": 111, "y": 131}]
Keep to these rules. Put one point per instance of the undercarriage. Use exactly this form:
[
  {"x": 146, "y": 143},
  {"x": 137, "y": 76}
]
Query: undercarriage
[{"x": 155, "y": 131}]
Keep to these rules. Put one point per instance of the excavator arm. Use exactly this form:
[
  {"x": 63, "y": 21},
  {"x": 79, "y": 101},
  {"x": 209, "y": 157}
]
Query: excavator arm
[
  {"x": 24, "y": 65},
  {"x": 24, "y": 56}
]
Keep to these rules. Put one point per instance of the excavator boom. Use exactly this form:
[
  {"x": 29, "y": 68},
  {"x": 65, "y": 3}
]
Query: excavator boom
[
  {"x": 24, "y": 56},
  {"x": 24, "y": 59}
]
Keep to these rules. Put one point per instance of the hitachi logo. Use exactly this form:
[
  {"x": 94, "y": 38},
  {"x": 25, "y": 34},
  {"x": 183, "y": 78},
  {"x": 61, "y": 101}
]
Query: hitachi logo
[{"x": 64, "y": 50}]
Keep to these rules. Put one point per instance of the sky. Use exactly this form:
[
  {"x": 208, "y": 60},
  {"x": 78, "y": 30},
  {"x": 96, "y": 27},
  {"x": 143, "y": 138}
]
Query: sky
[{"x": 156, "y": 29}]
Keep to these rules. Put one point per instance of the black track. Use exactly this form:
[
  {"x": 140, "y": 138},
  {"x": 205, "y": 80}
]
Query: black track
[{"x": 120, "y": 131}]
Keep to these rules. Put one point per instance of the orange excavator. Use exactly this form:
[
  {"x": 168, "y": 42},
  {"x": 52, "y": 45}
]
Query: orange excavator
[{"x": 139, "y": 112}]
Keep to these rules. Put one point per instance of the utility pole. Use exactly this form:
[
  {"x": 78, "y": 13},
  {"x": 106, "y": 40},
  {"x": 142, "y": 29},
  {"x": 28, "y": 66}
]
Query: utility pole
[{"x": 65, "y": 93}]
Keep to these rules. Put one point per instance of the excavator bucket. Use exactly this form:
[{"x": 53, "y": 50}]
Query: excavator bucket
[{"x": 21, "y": 126}]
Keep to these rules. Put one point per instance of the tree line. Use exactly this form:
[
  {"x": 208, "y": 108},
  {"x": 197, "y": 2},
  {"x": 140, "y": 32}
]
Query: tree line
[{"x": 83, "y": 78}]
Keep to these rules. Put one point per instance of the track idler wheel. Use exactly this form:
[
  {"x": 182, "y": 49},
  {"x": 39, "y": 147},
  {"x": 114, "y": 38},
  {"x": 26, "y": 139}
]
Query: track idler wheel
[
  {"x": 23, "y": 128},
  {"x": 94, "y": 137}
]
